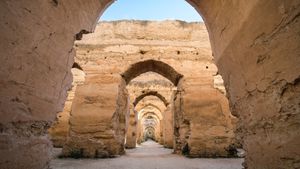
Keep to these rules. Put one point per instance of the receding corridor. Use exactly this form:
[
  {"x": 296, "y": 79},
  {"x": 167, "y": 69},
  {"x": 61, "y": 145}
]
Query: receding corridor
[
  {"x": 148, "y": 155},
  {"x": 150, "y": 84}
]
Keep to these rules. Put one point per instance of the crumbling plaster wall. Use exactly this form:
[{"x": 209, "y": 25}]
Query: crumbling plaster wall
[
  {"x": 255, "y": 45},
  {"x": 256, "y": 48},
  {"x": 37, "y": 55}
]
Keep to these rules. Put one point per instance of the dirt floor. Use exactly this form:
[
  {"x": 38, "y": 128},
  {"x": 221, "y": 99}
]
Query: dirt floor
[{"x": 149, "y": 155}]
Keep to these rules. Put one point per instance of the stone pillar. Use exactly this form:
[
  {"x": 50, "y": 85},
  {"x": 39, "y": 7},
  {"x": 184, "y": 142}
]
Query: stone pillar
[
  {"x": 131, "y": 135},
  {"x": 157, "y": 132},
  {"x": 204, "y": 127},
  {"x": 168, "y": 128},
  {"x": 176, "y": 109},
  {"x": 97, "y": 121},
  {"x": 60, "y": 129},
  {"x": 140, "y": 132},
  {"x": 161, "y": 140}
]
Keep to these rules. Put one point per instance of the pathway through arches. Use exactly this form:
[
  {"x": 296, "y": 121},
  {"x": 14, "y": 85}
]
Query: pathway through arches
[{"x": 150, "y": 155}]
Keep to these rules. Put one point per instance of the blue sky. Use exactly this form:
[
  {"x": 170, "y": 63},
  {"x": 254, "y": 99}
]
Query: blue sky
[{"x": 151, "y": 10}]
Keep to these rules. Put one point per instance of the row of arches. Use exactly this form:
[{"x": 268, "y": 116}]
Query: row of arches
[
  {"x": 255, "y": 47},
  {"x": 149, "y": 111},
  {"x": 142, "y": 116}
]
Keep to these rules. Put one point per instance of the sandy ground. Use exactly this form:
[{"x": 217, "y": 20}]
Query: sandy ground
[{"x": 149, "y": 155}]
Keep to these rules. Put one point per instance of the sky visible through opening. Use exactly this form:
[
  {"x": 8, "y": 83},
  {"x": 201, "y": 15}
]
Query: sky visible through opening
[{"x": 156, "y": 10}]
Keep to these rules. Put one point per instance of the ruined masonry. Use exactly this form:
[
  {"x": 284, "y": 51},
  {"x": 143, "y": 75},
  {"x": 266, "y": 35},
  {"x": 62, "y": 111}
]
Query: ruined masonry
[
  {"x": 138, "y": 81},
  {"x": 254, "y": 44}
]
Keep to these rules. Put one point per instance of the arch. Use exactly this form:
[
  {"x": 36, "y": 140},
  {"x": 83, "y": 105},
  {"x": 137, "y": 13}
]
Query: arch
[
  {"x": 150, "y": 122},
  {"x": 150, "y": 93},
  {"x": 151, "y": 105},
  {"x": 142, "y": 112},
  {"x": 157, "y": 104},
  {"x": 149, "y": 128},
  {"x": 152, "y": 114},
  {"x": 152, "y": 65},
  {"x": 224, "y": 44},
  {"x": 153, "y": 129}
]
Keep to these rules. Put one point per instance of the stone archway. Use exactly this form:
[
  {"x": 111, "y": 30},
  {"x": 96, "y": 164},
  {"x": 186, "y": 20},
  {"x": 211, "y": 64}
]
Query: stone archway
[
  {"x": 150, "y": 119},
  {"x": 135, "y": 126},
  {"x": 150, "y": 105},
  {"x": 256, "y": 53},
  {"x": 152, "y": 109},
  {"x": 101, "y": 110},
  {"x": 151, "y": 93},
  {"x": 154, "y": 66},
  {"x": 166, "y": 120},
  {"x": 134, "y": 130},
  {"x": 155, "y": 109}
]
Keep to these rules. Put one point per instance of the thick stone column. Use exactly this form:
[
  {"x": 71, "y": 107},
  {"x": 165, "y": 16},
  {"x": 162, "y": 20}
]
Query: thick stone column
[
  {"x": 157, "y": 131},
  {"x": 140, "y": 132},
  {"x": 257, "y": 54},
  {"x": 168, "y": 128},
  {"x": 161, "y": 140},
  {"x": 131, "y": 135},
  {"x": 203, "y": 122},
  {"x": 60, "y": 128},
  {"x": 97, "y": 121}
]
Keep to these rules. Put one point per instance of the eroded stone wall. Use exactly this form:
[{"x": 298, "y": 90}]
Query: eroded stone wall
[
  {"x": 256, "y": 48},
  {"x": 37, "y": 56},
  {"x": 60, "y": 128},
  {"x": 203, "y": 122},
  {"x": 168, "y": 127},
  {"x": 98, "y": 118},
  {"x": 132, "y": 131},
  {"x": 116, "y": 47},
  {"x": 255, "y": 43}
]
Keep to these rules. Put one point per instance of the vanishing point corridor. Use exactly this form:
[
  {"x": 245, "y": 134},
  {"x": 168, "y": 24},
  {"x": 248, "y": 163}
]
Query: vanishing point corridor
[{"x": 150, "y": 84}]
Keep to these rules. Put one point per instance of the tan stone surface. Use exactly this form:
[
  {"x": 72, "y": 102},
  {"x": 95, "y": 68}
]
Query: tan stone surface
[
  {"x": 255, "y": 43},
  {"x": 37, "y": 55},
  {"x": 205, "y": 123},
  {"x": 98, "y": 118},
  {"x": 153, "y": 107},
  {"x": 132, "y": 132},
  {"x": 168, "y": 128},
  {"x": 256, "y": 48},
  {"x": 155, "y": 53},
  {"x": 60, "y": 129}
]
